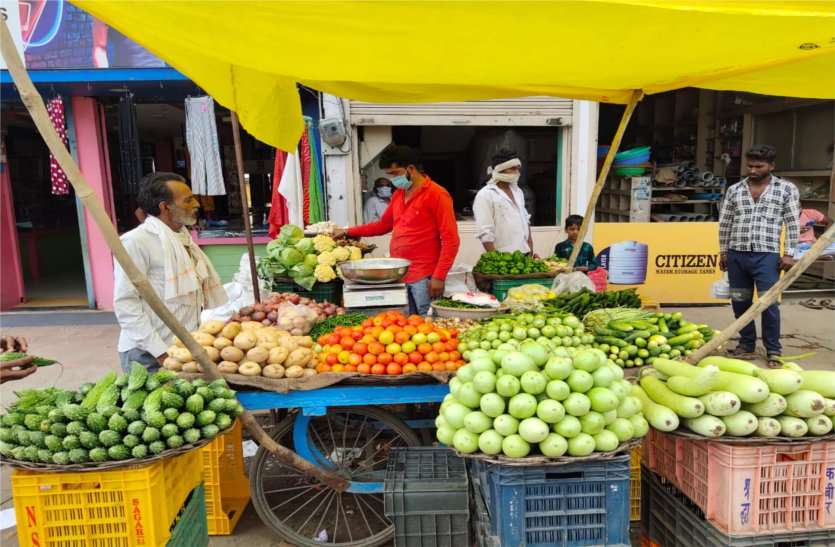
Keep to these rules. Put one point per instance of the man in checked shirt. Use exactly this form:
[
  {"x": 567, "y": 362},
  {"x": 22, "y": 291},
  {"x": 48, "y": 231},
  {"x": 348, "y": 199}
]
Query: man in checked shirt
[{"x": 750, "y": 223}]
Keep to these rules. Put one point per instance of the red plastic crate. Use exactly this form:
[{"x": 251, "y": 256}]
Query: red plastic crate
[{"x": 744, "y": 489}]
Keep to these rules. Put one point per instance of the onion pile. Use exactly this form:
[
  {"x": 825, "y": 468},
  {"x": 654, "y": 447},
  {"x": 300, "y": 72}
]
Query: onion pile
[{"x": 266, "y": 312}]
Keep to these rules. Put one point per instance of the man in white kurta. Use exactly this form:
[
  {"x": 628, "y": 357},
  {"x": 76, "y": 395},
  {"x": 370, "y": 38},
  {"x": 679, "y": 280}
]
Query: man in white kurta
[
  {"x": 499, "y": 208},
  {"x": 179, "y": 272}
]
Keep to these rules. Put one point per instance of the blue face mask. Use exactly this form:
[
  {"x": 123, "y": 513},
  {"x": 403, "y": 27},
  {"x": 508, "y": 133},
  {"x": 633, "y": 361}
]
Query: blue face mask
[
  {"x": 401, "y": 182},
  {"x": 384, "y": 192}
]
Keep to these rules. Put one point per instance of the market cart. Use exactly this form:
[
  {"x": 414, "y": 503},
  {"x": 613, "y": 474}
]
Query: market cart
[{"x": 341, "y": 429}]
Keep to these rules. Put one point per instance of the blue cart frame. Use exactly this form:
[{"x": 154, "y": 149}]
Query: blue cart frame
[{"x": 316, "y": 402}]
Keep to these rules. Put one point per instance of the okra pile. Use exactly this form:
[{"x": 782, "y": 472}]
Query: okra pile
[{"x": 633, "y": 338}]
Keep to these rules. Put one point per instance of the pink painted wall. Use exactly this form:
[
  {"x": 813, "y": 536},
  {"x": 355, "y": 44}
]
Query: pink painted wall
[
  {"x": 11, "y": 275},
  {"x": 94, "y": 163}
]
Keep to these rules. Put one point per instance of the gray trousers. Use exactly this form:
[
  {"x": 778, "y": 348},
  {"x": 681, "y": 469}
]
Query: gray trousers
[{"x": 140, "y": 356}]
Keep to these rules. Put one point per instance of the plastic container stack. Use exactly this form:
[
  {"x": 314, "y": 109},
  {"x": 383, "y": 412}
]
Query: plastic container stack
[
  {"x": 151, "y": 504},
  {"x": 426, "y": 496},
  {"x": 226, "y": 483},
  {"x": 586, "y": 503},
  {"x": 740, "y": 492}
]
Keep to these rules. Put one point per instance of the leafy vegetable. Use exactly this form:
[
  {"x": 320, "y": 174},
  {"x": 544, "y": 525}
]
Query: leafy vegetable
[
  {"x": 289, "y": 257},
  {"x": 290, "y": 234}
]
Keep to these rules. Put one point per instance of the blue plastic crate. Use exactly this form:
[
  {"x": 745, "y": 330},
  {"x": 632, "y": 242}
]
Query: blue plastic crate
[{"x": 580, "y": 504}]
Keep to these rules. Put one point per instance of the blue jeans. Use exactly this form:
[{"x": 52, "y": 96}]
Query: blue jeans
[
  {"x": 419, "y": 299},
  {"x": 139, "y": 356},
  {"x": 746, "y": 270}
]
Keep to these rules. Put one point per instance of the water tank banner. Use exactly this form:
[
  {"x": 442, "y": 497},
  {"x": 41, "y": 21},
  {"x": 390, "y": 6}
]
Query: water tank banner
[{"x": 668, "y": 262}]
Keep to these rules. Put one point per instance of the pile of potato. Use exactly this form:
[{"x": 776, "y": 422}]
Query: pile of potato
[{"x": 249, "y": 348}]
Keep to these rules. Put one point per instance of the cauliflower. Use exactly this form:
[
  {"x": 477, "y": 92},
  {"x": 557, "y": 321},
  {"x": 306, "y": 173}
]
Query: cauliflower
[
  {"x": 323, "y": 243},
  {"x": 356, "y": 253},
  {"x": 324, "y": 273},
  {"x": 341, "y": 254},
  {"x": 326, "y": 258}
]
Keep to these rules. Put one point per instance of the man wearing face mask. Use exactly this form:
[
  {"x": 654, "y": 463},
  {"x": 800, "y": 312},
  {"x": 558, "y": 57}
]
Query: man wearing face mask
[
  {"x": 422, "y": 222},
  {"x": 499, "y": 207},
  {"x": 180, "y": 273},
  {"x": 379, "y": 201}
]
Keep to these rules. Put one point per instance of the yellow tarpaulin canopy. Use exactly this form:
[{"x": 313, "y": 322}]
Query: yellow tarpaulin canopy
[{"x": 249, "y": 55}]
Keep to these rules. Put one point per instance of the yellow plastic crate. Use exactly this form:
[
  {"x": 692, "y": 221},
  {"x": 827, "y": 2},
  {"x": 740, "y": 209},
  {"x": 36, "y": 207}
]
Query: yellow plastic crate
[
  {"x": 227, "y": 486},
  {"x": 130, "y": 507},
  {"x": 635, "y": 484}
]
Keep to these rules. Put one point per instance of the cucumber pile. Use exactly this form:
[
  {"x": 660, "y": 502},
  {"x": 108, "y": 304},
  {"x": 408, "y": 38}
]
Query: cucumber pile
[
  {"x": 132, "y": 416},
  {"x": 633, "y": 338},
  {"x": 731, "y": 397}
]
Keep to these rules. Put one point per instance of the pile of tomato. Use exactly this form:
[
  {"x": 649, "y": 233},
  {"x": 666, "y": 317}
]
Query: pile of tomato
[{"x": 390, "y": 343}]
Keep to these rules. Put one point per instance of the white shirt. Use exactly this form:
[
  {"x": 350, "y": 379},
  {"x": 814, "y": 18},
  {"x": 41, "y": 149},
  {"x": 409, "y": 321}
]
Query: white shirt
[
  {"x": 374, "y": 208},
  {"x": 500, "y": 220},
  {"x": 141, "y": 328}
]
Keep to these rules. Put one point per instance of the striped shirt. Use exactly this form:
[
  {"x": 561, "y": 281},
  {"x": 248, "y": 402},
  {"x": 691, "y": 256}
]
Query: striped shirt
[{"x": 748, "y": 225}]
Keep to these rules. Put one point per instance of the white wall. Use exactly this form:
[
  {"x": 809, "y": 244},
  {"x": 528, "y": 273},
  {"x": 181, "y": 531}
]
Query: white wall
[
  {"x": 338, "y": 167},
  {"x": 583, "y": 157}
]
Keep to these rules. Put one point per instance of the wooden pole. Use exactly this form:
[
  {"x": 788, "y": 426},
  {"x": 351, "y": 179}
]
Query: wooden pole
[
  {"x": 34, "y": 103},
  {"x": 637, "y": 95},
  {"x": 766, "y": 299},
  {"x": 250, "y": 248}
]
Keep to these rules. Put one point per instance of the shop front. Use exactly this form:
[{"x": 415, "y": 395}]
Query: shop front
[
  {"x": 456, "y": 141},
  {"x": 657, "y": 218}
]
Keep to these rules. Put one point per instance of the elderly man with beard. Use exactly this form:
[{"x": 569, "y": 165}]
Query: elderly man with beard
[{"x": 180, "y": 273}]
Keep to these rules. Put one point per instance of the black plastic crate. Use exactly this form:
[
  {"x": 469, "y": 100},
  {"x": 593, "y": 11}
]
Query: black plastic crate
[
  {"x": 427, "y": 497},
  {"x": 670, "y": 519}
]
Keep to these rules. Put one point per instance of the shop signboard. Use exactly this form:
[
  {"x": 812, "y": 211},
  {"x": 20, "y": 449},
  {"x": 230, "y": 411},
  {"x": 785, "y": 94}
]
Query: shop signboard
[
  {"x": 53, "y": 34},
  {"x": 670, "y": 263}
]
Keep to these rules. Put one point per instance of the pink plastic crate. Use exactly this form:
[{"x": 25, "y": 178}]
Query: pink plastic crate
[
  {"x": 745, "y": 489},
  {"x": 660, "y": 454}
]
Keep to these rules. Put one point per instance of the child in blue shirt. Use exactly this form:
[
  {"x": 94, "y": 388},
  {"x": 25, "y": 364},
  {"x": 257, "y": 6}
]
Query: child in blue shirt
[{"x": 586, "y": 261}]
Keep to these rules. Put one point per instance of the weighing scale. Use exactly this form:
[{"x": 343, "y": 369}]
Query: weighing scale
[{"x": 374, "y": 298}]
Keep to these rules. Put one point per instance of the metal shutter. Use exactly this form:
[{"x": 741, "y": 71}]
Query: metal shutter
[{"x": 530, "y": 111}]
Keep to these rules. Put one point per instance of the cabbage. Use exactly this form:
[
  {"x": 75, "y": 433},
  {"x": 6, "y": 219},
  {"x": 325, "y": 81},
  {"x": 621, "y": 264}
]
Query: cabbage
[
  {"x": 274, "y": 248},
  {"x": 310, "y": 261},
  {"x": 290, "y": 234},
  {"x": 303, "y": 275},
  {"x": 305, "y": 246},
  {"x": 289, "y": 257}
]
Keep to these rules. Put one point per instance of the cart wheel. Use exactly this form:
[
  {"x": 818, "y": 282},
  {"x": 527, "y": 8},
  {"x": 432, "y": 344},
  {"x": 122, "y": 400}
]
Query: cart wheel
[{"x": 352, "y": 441}]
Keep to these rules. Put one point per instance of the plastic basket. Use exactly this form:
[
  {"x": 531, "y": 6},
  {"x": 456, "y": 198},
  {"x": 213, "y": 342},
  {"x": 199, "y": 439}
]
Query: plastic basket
[
  {"x": 427, "y": 497},
  {"x": 556, "y": 505},
  {"x": 501, "y": 286},
  {"x": 745, "y": 489},
  {"x": 670, "y": 519},
  {"x": 190, "y": 529},
  {"x": 130, "y": 507},
  {"x": 332, "y": 291},
  {"x": 226, "y": 483},
  {"x": 635, "y": 484}
]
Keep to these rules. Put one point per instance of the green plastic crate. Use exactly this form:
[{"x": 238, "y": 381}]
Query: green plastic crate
[
  {"x": 191, "y": 528},
  {"x": 332, "y": 292},
  {"x": 502, "y": 286}
]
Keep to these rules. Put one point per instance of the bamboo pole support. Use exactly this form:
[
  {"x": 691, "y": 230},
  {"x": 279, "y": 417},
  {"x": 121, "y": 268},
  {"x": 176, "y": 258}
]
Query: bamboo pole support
[
  {"x": 250, "y": 248},
  {"x": 34, "y": 104},
  {"x": 637, "y": 95},
  {"x": 766, "y": 299}
]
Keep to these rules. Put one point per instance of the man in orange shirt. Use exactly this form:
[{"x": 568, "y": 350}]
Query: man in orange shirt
[{"x": 422, "y": 221}]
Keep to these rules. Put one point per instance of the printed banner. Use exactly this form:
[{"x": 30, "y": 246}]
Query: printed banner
[
  {"x": 53, "y": 34},
  {"x": 670, "y": 263}
]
